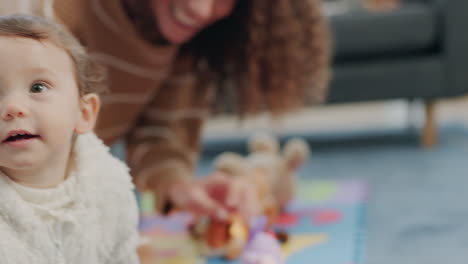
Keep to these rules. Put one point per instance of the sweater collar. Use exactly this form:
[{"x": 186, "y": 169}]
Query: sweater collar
[{"x": 92, "y": 160}]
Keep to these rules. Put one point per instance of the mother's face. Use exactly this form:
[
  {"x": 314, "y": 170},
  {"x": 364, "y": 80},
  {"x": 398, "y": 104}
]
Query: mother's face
[{"x": 180, "y": 20}]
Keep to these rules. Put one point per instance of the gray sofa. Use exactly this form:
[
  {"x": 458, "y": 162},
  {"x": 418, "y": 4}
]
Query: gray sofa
[{"x": 419, "y": 50}]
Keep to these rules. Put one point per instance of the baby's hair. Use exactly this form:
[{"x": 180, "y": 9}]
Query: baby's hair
[{"x": 89, "y": 76}]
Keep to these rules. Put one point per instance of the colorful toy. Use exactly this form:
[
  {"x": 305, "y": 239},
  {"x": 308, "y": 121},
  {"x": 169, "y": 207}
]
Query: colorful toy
[
  {"x": 272, "y": 172},
  {"x": 273, "y": 175},
  {"x": 263, "y": 249},
  {"x": 324, "y": 222},
  {"x": 234, "y": 239},
  {"x": 221, "y": 238}
]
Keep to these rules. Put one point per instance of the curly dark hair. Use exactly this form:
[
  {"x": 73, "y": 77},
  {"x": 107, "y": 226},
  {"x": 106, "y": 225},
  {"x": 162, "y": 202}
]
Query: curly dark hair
[{"x": 276, "y": 53}]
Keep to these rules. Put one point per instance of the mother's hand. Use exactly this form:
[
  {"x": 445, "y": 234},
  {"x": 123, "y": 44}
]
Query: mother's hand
[{"x": 216, "y": 195}]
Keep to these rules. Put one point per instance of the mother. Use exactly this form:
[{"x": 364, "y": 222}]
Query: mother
[{"x": 168, "y": 61}]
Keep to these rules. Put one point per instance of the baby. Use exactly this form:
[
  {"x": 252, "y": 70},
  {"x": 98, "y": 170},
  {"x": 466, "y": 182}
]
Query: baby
[{"x": 63, "y": 197}]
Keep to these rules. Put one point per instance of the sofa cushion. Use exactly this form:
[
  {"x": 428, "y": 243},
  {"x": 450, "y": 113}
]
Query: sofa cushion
[
  {"x": 392, "y": 78},
  {"x": 412, "y": 27}
]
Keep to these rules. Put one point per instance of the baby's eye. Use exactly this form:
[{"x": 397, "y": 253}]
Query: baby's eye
[{"x": 38, "y": 88}]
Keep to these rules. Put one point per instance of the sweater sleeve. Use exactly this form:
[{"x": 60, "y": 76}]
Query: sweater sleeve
[{"x": 164, "y": 146}]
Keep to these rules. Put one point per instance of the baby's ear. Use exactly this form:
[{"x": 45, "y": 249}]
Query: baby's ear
[{"x": 89, "y": 109}]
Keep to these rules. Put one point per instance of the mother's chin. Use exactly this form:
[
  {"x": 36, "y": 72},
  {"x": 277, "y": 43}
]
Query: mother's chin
[{"x": 180, "y": 20}]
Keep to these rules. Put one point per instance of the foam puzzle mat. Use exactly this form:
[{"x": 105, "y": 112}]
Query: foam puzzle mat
[{"x": 325, "y": 222}]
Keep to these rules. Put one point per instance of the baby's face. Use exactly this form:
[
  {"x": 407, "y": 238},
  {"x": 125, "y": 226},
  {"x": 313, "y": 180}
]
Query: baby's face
[{"x": 39, "y": 104}]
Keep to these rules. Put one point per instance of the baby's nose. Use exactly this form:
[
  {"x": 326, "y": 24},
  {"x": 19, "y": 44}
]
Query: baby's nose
[{"x": 12, "y": 111}]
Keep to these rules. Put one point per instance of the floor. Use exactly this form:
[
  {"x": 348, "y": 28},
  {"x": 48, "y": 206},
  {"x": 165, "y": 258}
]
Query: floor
[{"x": 417, "y": 212}]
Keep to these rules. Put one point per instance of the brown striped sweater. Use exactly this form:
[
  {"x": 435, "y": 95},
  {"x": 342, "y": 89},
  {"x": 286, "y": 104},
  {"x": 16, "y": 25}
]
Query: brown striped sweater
[{"x": 153, "y": 104}]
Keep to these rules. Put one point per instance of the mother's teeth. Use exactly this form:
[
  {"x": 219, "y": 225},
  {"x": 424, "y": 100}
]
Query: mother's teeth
[{"x": 184, "y": 18}]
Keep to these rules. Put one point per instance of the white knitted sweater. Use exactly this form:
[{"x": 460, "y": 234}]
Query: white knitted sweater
[{"x": 90, "y": 219}]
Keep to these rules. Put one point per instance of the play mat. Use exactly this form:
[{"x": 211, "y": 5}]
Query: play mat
[{"x": 325, "y": 223}]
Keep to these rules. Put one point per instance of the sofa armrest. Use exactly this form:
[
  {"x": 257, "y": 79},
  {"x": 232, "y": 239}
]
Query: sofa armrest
[{"x": 455, "y": 44}]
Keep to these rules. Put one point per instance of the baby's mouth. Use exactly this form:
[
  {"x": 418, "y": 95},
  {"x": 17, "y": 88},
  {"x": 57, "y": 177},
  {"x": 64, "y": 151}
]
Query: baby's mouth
[{"x": 20, "y": 136}]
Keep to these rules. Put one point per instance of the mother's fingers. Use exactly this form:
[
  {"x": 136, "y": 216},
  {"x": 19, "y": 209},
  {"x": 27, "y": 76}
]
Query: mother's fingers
[
  {"x": 250, "y": 202},
  {"x": 242, "y": 198},
  {"x": 200, "y": 202},
  {"x": 234, "y": 195},
  {"x": 189, "y": 195},
  {"x": 217, "y": 187}
]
